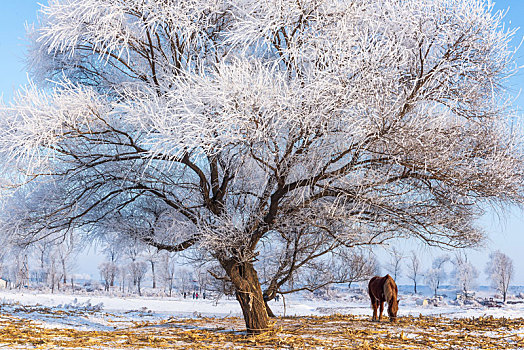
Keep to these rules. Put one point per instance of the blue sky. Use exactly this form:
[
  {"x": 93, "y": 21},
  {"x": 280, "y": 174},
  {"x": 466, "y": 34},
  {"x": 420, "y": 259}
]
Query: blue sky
[
  {"x": 13, "y": 17},
  {"x": 506, "y": 233}
]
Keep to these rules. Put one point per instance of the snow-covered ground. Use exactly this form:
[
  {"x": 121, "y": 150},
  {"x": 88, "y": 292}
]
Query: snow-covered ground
[
  {"x": 26, "y": 304},
  {"x": 56, "y": 321}
]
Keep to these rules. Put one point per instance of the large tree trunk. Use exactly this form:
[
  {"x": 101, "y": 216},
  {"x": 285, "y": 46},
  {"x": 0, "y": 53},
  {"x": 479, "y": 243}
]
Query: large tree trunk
[{"x": 249, "y": 294}]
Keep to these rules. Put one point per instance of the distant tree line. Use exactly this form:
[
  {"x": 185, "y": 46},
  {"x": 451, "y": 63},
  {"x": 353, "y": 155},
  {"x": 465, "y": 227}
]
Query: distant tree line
[
  {"x": 457, "y": 271},
  {"x": 129, "y": 265}
]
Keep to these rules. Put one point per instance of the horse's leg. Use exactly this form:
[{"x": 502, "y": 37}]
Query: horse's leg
[
  {"x": 381, "y": 310},
  {"x": 374, "y": 305}
]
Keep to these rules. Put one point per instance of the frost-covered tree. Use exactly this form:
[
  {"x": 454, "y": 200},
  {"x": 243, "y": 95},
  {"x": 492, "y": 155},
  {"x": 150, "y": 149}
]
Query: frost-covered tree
[
  {"x": 167, "y": 271},
  {"x": 433, "y": 277},
  {"x": 41, "y": 250},
  {"x": 464, "y": 273},
  {"x": 113, "y": 248},
  {"x": 52, "y": 270},
  {"x": 186, "y": 281},
  {"x": 151, "y": 257},
  {"x": 360, "y": 267},
  {"x": 19, "y": 269},
  {"x": 3, "y": 263},
  {"x": 137, "y": 267},
  {"x": 436, "y": 274},
  {"x": 346, "y": 122},
  {"x": 500, "y": 271},
  {"x": 65, "y": 252},
  {"x": 413, "y": 269},
  {"x": 137, "y": 270},
  {"x": 122, "y": 273},
  {"x": 394, "y": 264},
  {"x": 108, "y": 272}
]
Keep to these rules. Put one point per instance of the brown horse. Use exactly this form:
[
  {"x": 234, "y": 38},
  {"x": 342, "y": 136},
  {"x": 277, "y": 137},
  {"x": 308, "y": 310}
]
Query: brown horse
[{"x": 383, "y": 289}]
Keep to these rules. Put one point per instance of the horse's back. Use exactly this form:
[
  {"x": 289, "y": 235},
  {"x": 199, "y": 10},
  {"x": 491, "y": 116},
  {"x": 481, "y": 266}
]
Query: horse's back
[
  {"x": 383, "y": 287},
  {"x": 372, "y": 280},
  {"x": 390, "y": 288}
]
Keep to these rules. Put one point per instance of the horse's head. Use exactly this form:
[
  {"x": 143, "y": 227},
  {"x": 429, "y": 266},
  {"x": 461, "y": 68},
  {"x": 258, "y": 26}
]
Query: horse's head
[{"x": 392, "y": 310}]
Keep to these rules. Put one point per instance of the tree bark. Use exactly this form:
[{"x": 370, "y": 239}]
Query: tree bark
[
  {"x": 269, "y": 294},
  {"x": 153, "y": 273},
  {"x": 249, "y": 294},
  {"x": 64, "y": 270}
]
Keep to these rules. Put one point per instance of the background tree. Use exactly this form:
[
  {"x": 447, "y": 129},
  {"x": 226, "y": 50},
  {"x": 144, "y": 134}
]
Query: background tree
[
  {"x": 123, "y": 274},
  {"x": 167, "y": 271},
  {"x": 42, "y": 249},
  {"x": 151, "y": 257},
  {"x": 500, "y": 271},
  {"x": 251, "y": 120},
  {"x": 222, "y": 286},
  {"x": 394, "y": 265},
  {"x": 137, "y": 271},
  {"x": 52, "y": 270},
  {"x": 20, "y": 268},
  {"x": 65, "y": 251},
  {"x": 433, "y": 277},
  {"x": 112, "y": 247},
  {"x": 436, "y": 274},
  {"x": 3, "y": 263},
  {"x": 360, "y": 267},
  {"x": 413, "y": 269},
  {"x": 186, "y": 280},
  {"x": 464, "y": 273},
  {"x": 108, "y": 272}
]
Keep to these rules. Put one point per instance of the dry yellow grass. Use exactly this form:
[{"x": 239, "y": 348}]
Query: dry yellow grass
[{"x": 330, "y": 332}]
